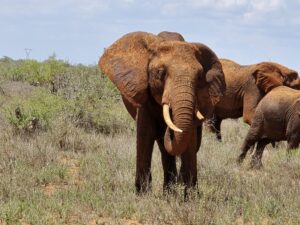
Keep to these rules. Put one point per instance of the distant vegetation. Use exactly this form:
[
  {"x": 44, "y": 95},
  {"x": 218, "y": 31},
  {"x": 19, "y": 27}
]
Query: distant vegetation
[
  {"x": 81, "y": 93},
  {"x": 67, "y": 156}
]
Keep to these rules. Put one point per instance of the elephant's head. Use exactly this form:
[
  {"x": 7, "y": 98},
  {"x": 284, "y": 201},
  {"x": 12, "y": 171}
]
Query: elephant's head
[
  {"x": 269, "y": 75},
  {"x": 145, "y": 66},
  {"x": 171, "y": 36}
]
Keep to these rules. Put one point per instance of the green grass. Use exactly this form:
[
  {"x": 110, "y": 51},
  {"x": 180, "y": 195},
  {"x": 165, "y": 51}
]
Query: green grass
[{"x": 80, "y": 169}]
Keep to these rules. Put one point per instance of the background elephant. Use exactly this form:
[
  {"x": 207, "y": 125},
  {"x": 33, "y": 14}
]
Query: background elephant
[
  {"x": 276, "y": 118},
  {"x": 158, "y": 80},
  {"x": 245, "y": 87},
  {"x": 171, "y": 36}
]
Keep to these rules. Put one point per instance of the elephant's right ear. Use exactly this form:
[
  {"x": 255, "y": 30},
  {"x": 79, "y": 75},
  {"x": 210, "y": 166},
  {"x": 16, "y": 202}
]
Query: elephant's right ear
[
  {"x": 267, "y": 77},
  {"x": 126, "y": 61}
]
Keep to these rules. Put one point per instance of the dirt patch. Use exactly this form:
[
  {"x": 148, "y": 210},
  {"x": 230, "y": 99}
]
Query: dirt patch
[
  {"x": 73, "y": 178},
  {"x": 72, "y": 165},
  {"x": 108, "y": 221},
  {"x": 50, "y": 188},
  {"x": 16, "y": 88}
]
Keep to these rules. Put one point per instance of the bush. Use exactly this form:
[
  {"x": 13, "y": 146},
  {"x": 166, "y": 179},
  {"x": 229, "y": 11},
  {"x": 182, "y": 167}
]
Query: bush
[
  {"x": 91, "y": 100},
  {"x": 36, "y": 73},
  {"x": 37, "y": 111}
]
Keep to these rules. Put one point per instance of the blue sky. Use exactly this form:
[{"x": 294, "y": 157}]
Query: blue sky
[{"x": 247, "y": 31}]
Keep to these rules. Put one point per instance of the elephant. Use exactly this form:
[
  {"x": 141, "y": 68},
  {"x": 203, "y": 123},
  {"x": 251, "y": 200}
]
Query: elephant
[
  {"x": 245, "y": 87},
  {"x": 276, "y": 118},
  {"x": 168, "y": 87},
  {"x": 171, "y": 36}
]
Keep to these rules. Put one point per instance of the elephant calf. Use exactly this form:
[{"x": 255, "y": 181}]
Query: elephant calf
[{"x": 276, "y": 118}]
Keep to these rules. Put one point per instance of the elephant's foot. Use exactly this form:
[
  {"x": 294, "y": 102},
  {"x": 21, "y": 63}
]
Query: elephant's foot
[
  {"x": 241, "y": 158},
  {"x": 143, "y": 184},
  {"x": 169, "y": 183},
  {"x": 256, "y": 164},
  {"x": 190, "y": 184}
]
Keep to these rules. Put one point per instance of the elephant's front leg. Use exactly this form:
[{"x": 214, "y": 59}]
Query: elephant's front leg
[
  {"x": 188, "y": 170},
  {"x": 169, "y": 166},
  {"x": 214, "y": 125},
  {"x": 145, "y": 142}
]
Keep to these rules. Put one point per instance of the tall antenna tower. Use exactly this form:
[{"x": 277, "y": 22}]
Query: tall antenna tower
[{"x": 27, "y": 52}]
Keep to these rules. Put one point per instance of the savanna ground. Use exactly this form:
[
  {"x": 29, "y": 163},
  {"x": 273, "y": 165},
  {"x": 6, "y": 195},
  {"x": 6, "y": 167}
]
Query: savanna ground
[{"x": 67, "y": 156}]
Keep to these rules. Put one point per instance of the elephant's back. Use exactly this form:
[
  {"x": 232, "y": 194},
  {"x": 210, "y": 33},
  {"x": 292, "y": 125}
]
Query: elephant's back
[
  {"x": 281, "y": 95},
  {"x": 276, "y": 103},
  {"x": 235, "y": 75}
]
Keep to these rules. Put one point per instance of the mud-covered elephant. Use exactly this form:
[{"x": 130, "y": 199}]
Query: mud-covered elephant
[
  {"x": 276, "y": 118},
  {"x": 165, "y": 86},
  {"x": 245, "y": 87}
]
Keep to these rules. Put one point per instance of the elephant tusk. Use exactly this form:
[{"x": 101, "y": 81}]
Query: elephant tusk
[
  {"x": 199, "y": 115},
  {"x": 167, "y": 118}
]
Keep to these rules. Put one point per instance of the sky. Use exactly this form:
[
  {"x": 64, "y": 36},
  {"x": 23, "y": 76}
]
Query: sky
[{"x": 246, "y": 31}]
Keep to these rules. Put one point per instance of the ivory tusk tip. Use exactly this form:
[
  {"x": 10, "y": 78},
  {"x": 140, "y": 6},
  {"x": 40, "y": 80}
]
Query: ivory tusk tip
[
  {"x": 178, "y": 130},
  {"x": 199, "y": 116}
]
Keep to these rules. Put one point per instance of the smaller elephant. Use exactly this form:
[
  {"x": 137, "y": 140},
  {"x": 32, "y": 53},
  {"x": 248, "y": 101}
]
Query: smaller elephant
[
  {"x": 245, "y": 87},
  {"x": 276, "y": 118}
]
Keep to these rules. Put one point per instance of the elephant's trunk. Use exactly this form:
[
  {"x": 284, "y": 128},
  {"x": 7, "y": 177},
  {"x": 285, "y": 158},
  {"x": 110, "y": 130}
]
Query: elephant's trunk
[
  {"x": 183, "y": 112},
  {"x": 295, "y": 84}
]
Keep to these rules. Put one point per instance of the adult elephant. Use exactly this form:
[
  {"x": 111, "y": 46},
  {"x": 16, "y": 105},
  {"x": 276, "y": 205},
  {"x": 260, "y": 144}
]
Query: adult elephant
[
  {"x": 245, "y": 87},
  {"x": 164, "y": 85}
]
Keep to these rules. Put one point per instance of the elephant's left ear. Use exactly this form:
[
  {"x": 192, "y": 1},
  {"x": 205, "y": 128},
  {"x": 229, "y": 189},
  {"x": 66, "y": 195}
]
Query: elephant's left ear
[
  {"x": 212, "y": 71},
  {"x": 267, "y": 77}
]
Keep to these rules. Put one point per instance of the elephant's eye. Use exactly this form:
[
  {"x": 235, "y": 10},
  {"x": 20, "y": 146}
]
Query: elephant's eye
[{"x": 160, "y": 73}]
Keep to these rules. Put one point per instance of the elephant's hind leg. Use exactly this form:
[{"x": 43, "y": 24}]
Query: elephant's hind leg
[
  {"x": 252, "y": 137},
  {"x": 293, "y": 143},
  {"x": 256, "y": 161},
  {"x": 293, "y": 139},
  {"x": 169, "y": 166}
]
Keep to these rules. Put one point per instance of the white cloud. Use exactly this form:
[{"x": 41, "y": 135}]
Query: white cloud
[
  {"x": 248, "y": 10},
  {"x": 260, "y": 5},
  {"x": 49, "y": 7}
]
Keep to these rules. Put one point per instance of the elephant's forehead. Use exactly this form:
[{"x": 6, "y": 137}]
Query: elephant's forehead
[{"x": 175, "y": 46}]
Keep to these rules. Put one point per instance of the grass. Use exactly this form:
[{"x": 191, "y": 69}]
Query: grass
[
  {"x": 81, "y": 169},
  {"x": 91, "y": 178}
]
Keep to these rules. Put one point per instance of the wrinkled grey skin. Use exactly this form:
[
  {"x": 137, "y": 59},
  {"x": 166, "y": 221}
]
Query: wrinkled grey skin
[{"x": 276, "y": 118}]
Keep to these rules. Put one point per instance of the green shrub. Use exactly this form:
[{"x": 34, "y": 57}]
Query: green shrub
[
  {"x": 95, "y": 102},
  {"x": 41, "y": 107},
  {"x": 36, "y": 73},
  {"x": 91, "y": 100}
]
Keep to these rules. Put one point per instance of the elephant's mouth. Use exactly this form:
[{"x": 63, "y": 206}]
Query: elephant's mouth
[{"x": 176, "y": 139}]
